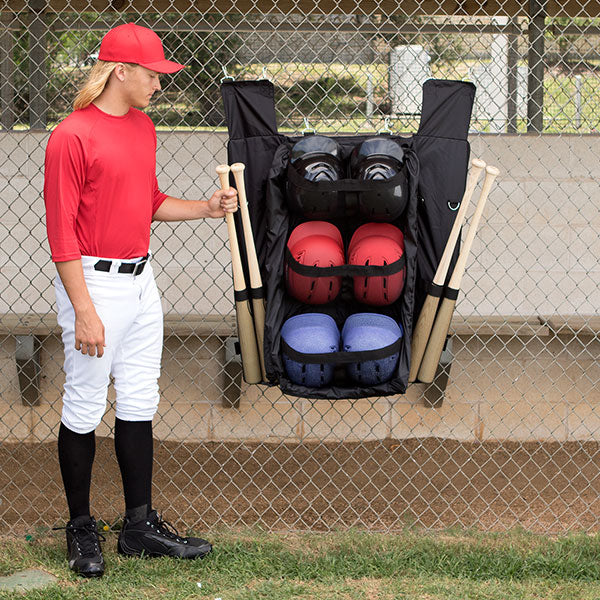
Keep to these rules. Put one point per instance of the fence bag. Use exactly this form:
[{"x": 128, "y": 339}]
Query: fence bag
[
  {"x": 439, "y": 153},
  {"x": 280, "y": 221}
]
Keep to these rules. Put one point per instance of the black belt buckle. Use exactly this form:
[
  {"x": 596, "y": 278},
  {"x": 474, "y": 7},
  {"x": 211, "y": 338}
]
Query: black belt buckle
[
  {"x": 135, "y": 268},
  {"x": 139, "y": 267}
]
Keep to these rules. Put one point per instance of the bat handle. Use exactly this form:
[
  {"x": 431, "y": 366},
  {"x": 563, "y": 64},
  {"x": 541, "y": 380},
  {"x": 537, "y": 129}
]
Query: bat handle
[
  {"x": 238, "y": 173},
  {"x": 490, "y": 175},
  {"x": 239, "y": 283},
  {"x": 477, "y": 166},
  {"x": 223, "y": 173}
]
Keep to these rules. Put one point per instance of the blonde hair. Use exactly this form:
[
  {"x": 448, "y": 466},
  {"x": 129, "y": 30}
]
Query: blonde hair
[{"x": 94, "y": 84}]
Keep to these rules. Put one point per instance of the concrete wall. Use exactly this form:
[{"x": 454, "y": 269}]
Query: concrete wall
[{"x": 536, "y": 254}]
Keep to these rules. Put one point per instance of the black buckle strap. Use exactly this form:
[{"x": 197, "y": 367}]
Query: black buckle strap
[
  {"x": 341, "y": 357},
  {"x": 130, "y": 268},
  {"x": 345, "y": 270}
]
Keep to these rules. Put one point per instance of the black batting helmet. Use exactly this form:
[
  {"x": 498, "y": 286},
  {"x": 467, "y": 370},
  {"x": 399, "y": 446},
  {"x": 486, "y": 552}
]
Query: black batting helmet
[
  {"x": 317, "y": 158},
  {"x": 381, "y": 159},
  {"x": 314, "y": 158},
  {"x": 376, "y": 158}
]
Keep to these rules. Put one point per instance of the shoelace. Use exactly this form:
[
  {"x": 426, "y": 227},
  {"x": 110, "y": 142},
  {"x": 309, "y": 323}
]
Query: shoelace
[
  {"x": 167, "y": 529},
  {"x": 87, "y": 537}
]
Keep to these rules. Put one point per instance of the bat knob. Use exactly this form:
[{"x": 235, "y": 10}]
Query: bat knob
[
  {"x": 222, "y": 169},
  {"x": 490, "y": 170},
  {"x": 237, "y": 167}
]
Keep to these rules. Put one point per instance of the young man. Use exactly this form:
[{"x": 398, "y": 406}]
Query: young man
[{"x": 101, "y": 194}]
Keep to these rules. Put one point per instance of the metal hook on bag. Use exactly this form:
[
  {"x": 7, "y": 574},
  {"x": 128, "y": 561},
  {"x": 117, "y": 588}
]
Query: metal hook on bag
[
  {"x": 386, "y": 126},
  {"x": 226, "y": 76},
  {"x": 265, "y": 75},
  {"x": 307, "y": 128}
]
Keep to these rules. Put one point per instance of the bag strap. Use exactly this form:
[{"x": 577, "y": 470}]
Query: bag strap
[
  {"x": 341, "y": 358},
  {"x": 345, "y": 270}
]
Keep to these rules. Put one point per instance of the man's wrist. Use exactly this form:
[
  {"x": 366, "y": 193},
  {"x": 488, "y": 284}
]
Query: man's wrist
[
  {"x": 84, "y": 309},
  {"x": 203, "y": 208}
]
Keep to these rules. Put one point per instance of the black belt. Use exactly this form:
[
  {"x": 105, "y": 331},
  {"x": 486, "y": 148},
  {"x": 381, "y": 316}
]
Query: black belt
[{"x": 135, "y": 268}]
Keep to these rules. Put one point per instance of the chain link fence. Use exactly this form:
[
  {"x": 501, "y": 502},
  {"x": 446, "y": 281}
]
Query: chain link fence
[{"x": 507, "y": 434}]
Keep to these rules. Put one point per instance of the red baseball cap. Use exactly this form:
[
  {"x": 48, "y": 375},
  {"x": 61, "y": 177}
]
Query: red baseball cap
[{"x": 133, "y": 43}]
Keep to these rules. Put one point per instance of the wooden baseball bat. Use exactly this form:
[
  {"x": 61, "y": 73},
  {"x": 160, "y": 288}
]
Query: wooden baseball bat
[
  {"x": 427, "y": 315},
  {"x": 245, "y": 325},
  {"x": 256, "y": 286},
  {"x": 441, "y": 326}
]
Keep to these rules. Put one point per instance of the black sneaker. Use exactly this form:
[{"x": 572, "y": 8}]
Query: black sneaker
[
  {"x": 83, "y": 546},
  {"x": 154, "y": 537}
]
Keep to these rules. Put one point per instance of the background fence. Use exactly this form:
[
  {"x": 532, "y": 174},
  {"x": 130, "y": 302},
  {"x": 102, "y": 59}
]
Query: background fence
[{"x": 507, "y": 434}]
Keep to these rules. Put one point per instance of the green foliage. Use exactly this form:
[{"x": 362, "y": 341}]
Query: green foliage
[
  {"x": 67, "y": 52},
  {"x": 198, "y": 86},
  {"x": 329, "y": 97},
  {"x": 440, "y": 47},
  {"x": 190, "y": 97}
]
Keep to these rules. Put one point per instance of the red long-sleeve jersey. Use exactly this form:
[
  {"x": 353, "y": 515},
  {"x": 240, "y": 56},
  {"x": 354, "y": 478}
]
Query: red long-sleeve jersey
[{"x": 100, "y": 186}]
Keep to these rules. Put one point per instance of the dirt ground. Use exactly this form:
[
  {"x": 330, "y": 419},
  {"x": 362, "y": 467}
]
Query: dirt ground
[{"x": 386, "y": 485}]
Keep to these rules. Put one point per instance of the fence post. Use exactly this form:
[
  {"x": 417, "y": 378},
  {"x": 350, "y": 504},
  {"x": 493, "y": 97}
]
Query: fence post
[
  {"x": 370, "y": 102},
  {"x": 535, "y": 84},
  {"x": 38, "y": 58},
  {"x": 512, "y": 60},
  {"x": 578, "y": 103},
  {"x": 7, "y": 69}
]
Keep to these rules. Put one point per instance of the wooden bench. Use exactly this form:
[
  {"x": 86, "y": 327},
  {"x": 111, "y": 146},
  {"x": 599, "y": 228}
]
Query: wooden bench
[
  {"x": 506, "y": 326},
  {"x": 30, "y": 329},
  {"x": 578, "y": 325},
  {"x": 498, "y": 325}
]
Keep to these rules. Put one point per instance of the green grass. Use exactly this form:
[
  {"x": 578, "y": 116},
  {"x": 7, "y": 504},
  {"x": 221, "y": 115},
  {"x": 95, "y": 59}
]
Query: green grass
[{"x": 449, "y": 565}]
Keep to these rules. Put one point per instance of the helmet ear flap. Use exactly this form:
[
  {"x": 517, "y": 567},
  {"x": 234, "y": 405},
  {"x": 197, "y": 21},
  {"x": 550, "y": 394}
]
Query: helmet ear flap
[
  {"x": 310, "y": 333},
  {"x": 314, "y": 159},
  {"x": 380, "y": 159}
]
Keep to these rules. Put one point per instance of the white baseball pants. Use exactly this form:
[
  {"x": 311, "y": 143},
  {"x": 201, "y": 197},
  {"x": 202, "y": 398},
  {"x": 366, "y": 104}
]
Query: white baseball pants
[{"x": 130, "y": 309}]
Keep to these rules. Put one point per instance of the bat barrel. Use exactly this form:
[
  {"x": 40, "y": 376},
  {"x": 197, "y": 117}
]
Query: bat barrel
[
  {"x": 437, "y": 340},
  {"x": 422, "y": 330}
]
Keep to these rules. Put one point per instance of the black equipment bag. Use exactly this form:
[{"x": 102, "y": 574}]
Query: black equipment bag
[{"x": 436, "y": 159}]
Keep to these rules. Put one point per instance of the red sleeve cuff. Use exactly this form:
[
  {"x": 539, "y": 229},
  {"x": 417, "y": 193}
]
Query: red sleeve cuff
[
  {"x": 65, "y": 257},
  {"x": 158, "y": 200}
]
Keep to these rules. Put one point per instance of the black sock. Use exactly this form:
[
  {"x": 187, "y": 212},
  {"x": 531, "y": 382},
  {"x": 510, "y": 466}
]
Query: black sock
[
  {"x": 134, "y": 449},
  {"x": 76, "y": 456}
]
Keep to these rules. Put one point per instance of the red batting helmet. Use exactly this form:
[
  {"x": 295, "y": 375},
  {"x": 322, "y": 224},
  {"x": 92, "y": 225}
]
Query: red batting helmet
[
  {"x": 377, "y": 244},
  {"x": 318, "y": 244}
]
